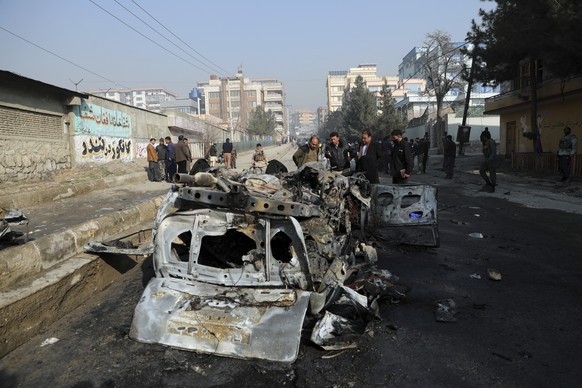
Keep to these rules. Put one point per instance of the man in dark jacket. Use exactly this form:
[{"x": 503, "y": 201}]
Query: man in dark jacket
[
  {"x": 171, "y": 161},
  {"x": 369, "y": 157},
  {"x": 449, "y": 155},
  {"x": 338, "y": 153},
  {"x": 227, "y": 153},
  {"x": 162, "y": 152},
  {"x": 183, "y": 156},
  {"x": 402, "y": 160}
]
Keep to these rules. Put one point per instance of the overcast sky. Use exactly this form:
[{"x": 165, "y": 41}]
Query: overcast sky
[{"x": 295, "y": 41}]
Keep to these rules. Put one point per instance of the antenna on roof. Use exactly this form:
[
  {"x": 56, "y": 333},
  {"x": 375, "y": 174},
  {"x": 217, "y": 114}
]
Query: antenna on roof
[{"x": 76, "y": 83}]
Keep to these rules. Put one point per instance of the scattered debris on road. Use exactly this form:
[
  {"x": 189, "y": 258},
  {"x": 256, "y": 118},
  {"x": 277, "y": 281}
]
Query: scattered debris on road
[
  {"x": 11, "y": 218},
  {"x": 494, "y": 274},
  {"x": 445, "y": 310}
]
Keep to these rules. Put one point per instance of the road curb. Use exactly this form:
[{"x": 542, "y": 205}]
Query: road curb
[
  {"x": 26, "y": 261},
  {"x": 47, "y": 194}
]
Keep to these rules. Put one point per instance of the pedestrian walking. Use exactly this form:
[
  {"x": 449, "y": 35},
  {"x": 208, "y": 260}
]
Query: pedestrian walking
[
  {"x": 402, "y": 162},
  {"x": 489, "y": 163},
  {"x": 450, "y": 152},
  {"x": 566, "y": 151},
  {"x": 153, "y": 167},
  {"x": 369, "y": 157}
]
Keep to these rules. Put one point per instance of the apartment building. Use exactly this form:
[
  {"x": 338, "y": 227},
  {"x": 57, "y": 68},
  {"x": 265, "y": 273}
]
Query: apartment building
[
  {"x": 233, "y": 99},
  {"x": 145, "y": 98},
  {"x": 340, "y": 82}
]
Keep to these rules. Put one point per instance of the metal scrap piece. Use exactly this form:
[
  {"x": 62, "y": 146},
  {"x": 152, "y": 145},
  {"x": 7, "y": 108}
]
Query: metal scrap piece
[{"x": 261, "y": 323}]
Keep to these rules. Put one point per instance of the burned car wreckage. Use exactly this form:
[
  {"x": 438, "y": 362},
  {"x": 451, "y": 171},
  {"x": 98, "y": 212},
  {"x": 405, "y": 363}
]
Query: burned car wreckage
[{"x": 241, "y": 259}]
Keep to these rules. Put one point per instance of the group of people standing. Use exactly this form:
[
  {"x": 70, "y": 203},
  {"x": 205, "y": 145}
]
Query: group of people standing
[
  {"x": 368, "y": 155},
  {"x": 167, "y": 158}
]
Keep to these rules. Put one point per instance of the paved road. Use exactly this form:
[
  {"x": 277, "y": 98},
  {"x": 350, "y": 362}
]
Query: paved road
[{"x": 521, "y": 331}]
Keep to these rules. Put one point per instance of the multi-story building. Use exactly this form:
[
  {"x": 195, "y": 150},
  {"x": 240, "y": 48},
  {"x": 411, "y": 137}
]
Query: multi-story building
[
  {"x": 185, "y": 105},
  {"x": 411, "y": 64},
  {"x": 341, "y": 82},
  {"x": 145, "y": 98},
  {"x": 233, "y": 99},
  {"x": 322, "y": 113}
]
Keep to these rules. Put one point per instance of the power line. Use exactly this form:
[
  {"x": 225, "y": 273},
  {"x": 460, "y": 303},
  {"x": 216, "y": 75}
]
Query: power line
[
  {"x": 160, "y": 34},
  {"x": 177, "y": 37},
  {"x": 148, "y": 38},
  {"x": 64, "y": 59}
]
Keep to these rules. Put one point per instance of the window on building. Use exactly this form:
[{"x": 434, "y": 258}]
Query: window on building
[
  {"x": 235, "y": 93},
  {"x": 214, "y": 95},
  {"x": 252, "y": 104},
  {"x": 251, "y": 93}
]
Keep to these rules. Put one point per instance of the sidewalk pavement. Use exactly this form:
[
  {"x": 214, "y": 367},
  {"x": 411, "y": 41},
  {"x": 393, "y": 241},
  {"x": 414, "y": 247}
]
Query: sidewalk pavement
[{"x": 538, "y": 190}]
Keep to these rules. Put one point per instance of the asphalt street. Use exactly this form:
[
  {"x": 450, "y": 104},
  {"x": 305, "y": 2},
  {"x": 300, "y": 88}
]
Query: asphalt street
[{"x": 522, "y": 330}]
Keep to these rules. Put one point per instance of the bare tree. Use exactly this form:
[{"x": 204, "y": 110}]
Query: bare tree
[{"x": 442, "y": 66}]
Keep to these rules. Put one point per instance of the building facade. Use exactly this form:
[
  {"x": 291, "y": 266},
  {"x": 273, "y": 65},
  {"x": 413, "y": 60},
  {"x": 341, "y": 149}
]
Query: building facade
[
  {"x": 341, "y": 82},
  {"x": 558, "y": 106},
  {"x": 233, "y": 99},
  {"x": 145, "y": 98}
]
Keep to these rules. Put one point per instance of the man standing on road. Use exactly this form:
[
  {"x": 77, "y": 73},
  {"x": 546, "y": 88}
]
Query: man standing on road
[
  {"x": 227, "y": 153},
  {"x": 566, "y": 150},
  {"x": 369, "y": 157},
  {"x": 162, "y": 152},
  {"x": 423, "y": 149},
  {"x": 449, "y": 155},
  {"x": 153, "y": 167},
  {"x": 338, "y": 153},
  {"x": 259, "y": 158},
  {"x": 182, "y": 155},
  {"x": 402, "y": 160},
  {"x": 489, "y": 162},
  {"x": 171, "y": 161},
  {"x": 307, "y": 153}
]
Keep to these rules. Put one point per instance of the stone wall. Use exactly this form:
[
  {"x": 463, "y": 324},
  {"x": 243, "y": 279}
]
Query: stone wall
[
  {"x": 32, "y": 160},
  {"x": 32, "y": 145}
]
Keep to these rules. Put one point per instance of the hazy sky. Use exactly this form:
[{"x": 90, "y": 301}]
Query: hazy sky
[{"x": 295, "y": 41}]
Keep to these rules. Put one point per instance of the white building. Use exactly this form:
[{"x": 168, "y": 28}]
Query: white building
[{"x": 145, "y": 98}]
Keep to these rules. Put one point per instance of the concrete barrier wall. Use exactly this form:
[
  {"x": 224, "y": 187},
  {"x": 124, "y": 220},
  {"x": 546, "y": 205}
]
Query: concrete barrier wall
[{"x": 26, "y": 261}]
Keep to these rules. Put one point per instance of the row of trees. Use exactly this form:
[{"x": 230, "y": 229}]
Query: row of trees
[{"x": 360, "y": 111}]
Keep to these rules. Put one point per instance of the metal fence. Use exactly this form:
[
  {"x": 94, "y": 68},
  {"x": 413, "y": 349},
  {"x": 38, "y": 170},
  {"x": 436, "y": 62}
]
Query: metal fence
[{"x": 546, "y": 161}]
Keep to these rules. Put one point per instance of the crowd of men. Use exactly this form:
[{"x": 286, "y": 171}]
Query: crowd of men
[
  {"x": 394, "y": 155},
  {"x": 167, "y": 158}
]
